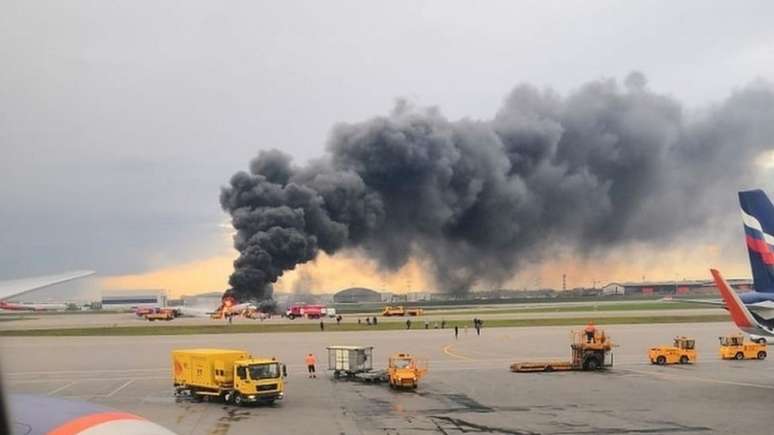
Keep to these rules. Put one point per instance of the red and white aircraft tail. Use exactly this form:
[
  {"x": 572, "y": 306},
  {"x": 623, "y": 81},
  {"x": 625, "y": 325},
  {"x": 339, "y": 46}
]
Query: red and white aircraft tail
[{"x": 741, "y": 316}]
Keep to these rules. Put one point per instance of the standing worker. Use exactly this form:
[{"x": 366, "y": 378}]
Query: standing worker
[
  {"x": 590, "y": 332},
  {"x": 408, "y": 323},
  {"x": 456, "y": 331},
  {"x": 322, "y": 326},
  {"x": 311, "y": 362},
  {"x": 374, "y": 321}
]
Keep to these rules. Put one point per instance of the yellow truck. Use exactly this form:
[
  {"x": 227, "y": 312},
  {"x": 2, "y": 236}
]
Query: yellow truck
[
  {"x": 233, "y": 376},
  {"x": 404, "y": 371},
  {"x": 393, "y": 311},
  {"x": 402, "y": 311},
  {"x": 734, "y": 347},
  {"x": 683, "y": 351}
]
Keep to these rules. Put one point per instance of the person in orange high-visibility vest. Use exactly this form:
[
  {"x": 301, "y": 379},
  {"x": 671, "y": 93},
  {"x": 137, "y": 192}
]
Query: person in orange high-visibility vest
[
  {"x": 590, "y": 332},
  {"x": 311, "y": 362}
]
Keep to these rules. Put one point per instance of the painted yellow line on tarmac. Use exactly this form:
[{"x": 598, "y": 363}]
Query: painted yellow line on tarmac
[
  {"x": 700, "y": 379},
  {"x": 447, "y": 350}
]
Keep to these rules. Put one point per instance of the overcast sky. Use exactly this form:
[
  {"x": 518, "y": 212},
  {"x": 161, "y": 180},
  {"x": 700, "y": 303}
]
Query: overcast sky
[{"x": 119, "y": 121}]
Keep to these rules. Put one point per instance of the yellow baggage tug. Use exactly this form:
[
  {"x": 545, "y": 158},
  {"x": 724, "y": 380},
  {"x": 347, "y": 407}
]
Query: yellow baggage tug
[
  {"x": 683, "y": 352},
  {"x": 233, "y": 376},
  {"x": 734, "y": 347}
]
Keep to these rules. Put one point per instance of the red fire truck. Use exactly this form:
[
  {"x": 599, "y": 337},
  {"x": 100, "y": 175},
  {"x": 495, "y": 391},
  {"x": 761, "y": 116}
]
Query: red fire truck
[{"x": 306, "y": 310}]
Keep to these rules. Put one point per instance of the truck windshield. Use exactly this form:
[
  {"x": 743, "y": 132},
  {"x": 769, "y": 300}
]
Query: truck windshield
[
  {"x": 264, "y": 371},
  {"x": 401, "y": 363}
]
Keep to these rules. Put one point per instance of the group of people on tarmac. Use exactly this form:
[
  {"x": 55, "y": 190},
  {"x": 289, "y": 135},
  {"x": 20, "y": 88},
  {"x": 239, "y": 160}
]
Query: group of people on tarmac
[{"x": 369, "y": 321}]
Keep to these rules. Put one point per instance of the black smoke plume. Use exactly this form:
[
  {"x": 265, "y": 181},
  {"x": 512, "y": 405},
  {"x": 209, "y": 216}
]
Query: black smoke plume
[{"x": 604, "y": 166}]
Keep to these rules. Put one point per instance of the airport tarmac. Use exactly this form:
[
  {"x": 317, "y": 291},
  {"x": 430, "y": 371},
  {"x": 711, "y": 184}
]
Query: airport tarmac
[
  {"x": 469, "y": 388},
  {"x": 77, "y": 320}
]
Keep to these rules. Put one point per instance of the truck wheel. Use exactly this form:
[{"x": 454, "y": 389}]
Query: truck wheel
[
  {"x": 683, "y": 359},
  {"x": 761, "y": 340},
  {"x": 761, "y": 355},
  {"x": 591, "y": 364},
  {"x": 238, "y": 401},
  {"x": 196, "y": 397},
  {"x": 661, "y": 360},
  {"x": 548, "y": 369},
  {"x": 739, "y": 355},
  {"x": 291, "y": 316}
]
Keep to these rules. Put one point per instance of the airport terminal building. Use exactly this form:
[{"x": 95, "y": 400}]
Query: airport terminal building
[
  {"x": 129, "y": 299},
  {"x": 357, "y": 295},
  {"x": 673, "y": 288}
]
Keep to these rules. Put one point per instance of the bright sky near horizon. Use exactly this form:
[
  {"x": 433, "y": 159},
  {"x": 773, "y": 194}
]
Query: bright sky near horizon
[{"x": 119, "y": 122}]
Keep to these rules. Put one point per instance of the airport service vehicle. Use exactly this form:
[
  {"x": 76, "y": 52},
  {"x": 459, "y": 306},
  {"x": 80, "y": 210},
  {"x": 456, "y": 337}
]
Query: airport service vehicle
[
  {"x": 306, "y": 310},
  {"x": 233, "y": 376},
  {"x": 415, "y": 311},
  {"x": 393, "y": 311},
  {"x": 734, "y": 347},
  {"x": 405, "y": 371},
  {"x": 354, "y": 362},
  {"x": 401, "y": 311},
  {"x": 165, "y": 315},
  {"x": 683, "y": 351},
  {"x": 586, "y": 355},
  {"x": 142, "y": 311}
]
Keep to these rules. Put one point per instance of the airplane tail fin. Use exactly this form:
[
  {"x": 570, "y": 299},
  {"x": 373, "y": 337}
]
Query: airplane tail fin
[
  {"x": 741, "y": 316},
  {"x": 758, "y": 218}
]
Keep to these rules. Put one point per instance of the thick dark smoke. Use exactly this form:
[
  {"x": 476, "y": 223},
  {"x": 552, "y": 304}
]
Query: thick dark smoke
[{"x": 604, "y": 166}]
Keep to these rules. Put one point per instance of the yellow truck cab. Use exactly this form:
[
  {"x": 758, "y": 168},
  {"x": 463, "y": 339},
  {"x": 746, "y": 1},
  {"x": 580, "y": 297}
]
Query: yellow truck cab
[
  {"x": 404, "y": 371},
  {"x": 734, "y": 347},
  {"x": 233, "y": 376},
  {"x": 683, "y": 351}
]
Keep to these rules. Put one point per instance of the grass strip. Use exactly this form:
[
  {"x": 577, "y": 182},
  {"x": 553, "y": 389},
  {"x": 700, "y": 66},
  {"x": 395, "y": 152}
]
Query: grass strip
[{"x": 332, "y": 327}]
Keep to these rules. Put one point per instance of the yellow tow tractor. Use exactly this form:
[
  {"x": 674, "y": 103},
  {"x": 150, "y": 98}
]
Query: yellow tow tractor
[
  {"x": 356, "y": 363},
  {"x": 233, "y": 376},
  {"x": 734, "y": 347},
  {"x": 590, "y": 351},
  {"x": 683, "y": 351},
  {"x": 405, "y": 371}
]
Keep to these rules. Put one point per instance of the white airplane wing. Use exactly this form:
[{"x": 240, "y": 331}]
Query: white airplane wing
[
  {"x": 17, "y": 287},
  {"x": 713, "y": 302}
]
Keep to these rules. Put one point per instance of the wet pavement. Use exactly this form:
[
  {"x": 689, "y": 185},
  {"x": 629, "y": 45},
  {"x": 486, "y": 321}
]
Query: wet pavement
[{"x": 469, "y": 388}]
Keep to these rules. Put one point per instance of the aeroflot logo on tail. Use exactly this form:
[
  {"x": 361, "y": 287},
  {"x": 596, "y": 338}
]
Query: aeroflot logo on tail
[{"x": 758, "y": 240}]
